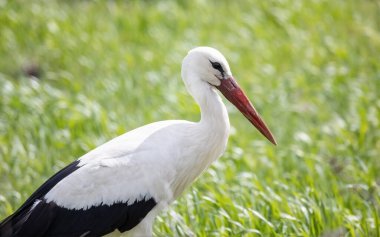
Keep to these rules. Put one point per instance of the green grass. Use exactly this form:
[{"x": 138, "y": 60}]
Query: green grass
[{"x": 312, "y": 68}]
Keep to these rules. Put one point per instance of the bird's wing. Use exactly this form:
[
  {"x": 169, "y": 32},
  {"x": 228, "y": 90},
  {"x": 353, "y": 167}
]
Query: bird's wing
[
  {"x": 113, "y": 187},
  {"x": 86, "y": 201}
]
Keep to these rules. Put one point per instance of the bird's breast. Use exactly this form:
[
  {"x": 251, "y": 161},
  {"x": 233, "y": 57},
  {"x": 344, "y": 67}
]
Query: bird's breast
[{"x": 201, "y": 149}]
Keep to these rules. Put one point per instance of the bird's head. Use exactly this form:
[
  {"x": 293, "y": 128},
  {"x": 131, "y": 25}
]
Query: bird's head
[{"x": 207, "y": 65}]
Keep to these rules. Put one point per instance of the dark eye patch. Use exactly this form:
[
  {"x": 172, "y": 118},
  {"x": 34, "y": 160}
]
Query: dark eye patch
[{"x": 217, "y": 66}]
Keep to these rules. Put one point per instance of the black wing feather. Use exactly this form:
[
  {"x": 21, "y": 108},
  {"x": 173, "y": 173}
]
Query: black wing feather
[{"x": 49, "y": 219}]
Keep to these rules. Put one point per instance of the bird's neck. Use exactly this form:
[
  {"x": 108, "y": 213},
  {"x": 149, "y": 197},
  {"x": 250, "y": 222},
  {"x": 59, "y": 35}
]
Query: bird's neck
[
  {"x": 214, "y": 114},
  {"x": 209, "y": 137},
  {"x": 214, "y": 126}
]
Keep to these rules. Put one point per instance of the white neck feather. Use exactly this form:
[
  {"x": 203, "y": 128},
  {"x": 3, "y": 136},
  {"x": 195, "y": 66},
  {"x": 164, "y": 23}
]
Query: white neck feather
[
  {"x": 210, "y": 133},
  {"x": 214, "y": 116}
]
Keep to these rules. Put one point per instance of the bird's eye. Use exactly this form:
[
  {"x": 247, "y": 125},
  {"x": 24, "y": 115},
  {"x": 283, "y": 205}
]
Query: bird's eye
[{"x": 217, "y": 66}]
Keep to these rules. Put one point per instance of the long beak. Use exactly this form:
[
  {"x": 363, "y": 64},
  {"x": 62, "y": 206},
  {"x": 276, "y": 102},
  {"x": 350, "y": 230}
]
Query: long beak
[{"x": 232, "y": 91}]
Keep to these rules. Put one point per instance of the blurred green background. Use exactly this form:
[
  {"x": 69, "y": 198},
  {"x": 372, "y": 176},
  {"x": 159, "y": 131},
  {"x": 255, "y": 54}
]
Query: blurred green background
[{"x": 74, "y": 74}]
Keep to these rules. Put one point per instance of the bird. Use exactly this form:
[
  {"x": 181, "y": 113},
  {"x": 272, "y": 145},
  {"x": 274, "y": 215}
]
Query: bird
[{"x": 120, "y": 187}]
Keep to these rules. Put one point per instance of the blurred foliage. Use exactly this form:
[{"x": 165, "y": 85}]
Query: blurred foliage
[{"x": 74, "y": 74}]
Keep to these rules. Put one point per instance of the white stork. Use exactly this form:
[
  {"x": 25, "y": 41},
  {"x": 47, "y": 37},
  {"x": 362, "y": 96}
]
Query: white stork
[{"x": 120, "y": 186}]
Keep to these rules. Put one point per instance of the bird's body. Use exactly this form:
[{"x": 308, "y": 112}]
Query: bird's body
[{"x": 123, "y": 184}]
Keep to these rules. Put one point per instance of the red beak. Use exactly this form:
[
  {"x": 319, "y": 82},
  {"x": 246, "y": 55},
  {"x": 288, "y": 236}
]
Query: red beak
[{"x": 231, "y": 90}]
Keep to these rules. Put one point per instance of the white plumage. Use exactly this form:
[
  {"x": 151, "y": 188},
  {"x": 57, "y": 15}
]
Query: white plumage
[{"x": 146, "y": 168}]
